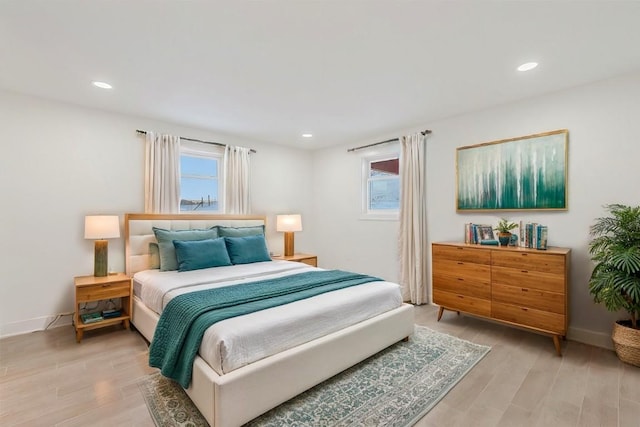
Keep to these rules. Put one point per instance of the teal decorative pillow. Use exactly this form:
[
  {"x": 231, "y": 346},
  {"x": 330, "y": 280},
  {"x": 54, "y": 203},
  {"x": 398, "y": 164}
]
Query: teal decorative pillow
[
  {"x": 244, "y": 250},
  {"x": 165, "y": 238},
  {"x": 154, "y": 255},
  {"x": 240, "y": 231},
  {"x": 198, "y": 254}
]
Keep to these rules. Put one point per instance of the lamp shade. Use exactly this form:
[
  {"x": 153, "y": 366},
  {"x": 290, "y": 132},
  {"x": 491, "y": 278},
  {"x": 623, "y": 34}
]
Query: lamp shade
[
  {"x": 101, "y": 227},
  {"x": 289, "y": 223}
]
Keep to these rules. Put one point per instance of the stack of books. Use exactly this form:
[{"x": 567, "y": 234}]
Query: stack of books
[
  {"x": 91, "y": 317},
  {"x": 479, "y": 234},
  {"x": 110, "y": 314},
  {"x": 533, "y": 235}
]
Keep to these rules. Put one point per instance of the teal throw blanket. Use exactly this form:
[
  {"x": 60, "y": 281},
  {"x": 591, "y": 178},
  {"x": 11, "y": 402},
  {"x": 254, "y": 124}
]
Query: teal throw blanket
[{"x": 184, "y": 320}]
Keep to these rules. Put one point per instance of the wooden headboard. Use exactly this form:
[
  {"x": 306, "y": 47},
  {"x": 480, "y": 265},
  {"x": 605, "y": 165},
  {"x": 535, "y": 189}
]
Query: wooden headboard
[{"x": 138, "y": 229}]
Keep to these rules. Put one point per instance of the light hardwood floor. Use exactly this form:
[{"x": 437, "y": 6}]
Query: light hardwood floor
[{"x": 47, "y": 379}]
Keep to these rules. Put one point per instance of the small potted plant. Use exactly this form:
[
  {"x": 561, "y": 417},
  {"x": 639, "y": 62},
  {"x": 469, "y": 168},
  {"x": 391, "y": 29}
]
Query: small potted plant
[
  {"x": 504, "y": 228},
  {"x": 615, "y": 280}
]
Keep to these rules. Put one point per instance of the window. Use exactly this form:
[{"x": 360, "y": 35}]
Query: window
[
  {"x": 381, "y": 186},
  {"x": 201, "y": 181}
]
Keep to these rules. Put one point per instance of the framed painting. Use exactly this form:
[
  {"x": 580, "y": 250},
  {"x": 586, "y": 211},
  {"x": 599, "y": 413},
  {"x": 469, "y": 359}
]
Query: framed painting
[{"x": 528, "y": 172}]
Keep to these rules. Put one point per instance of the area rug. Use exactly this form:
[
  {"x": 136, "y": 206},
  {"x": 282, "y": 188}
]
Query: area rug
[{"x": 394, "y": 388}]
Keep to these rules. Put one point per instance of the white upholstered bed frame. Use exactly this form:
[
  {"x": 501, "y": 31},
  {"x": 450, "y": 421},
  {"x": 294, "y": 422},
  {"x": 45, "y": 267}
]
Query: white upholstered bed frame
[{"x": 237, "y": 397}]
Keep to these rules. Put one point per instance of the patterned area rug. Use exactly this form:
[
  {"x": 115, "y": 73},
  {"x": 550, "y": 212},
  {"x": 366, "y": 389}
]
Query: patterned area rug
[{"x": 395, "y": 387}]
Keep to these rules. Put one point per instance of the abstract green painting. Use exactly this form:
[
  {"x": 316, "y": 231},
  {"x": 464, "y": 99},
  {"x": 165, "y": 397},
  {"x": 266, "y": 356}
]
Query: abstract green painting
[{"x": 528, "y": 172}]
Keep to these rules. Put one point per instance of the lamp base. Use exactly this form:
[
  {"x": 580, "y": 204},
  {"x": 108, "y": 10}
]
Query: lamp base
[
  {"x": 288, "y": 243},
  {"x": 101, "y": 258}
]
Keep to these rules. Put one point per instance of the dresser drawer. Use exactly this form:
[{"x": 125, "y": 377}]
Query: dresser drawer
[
  {"x": 544, "y": 320},
  {"x": 528, "y": 279},
  {"x": 459, "y": 302},
  {"x": 462, "y": 286},
  {"x": 529, "y": 297},
  {"x": 461, "y": 253},
  {"x": 542, "y": 262},
  {"x": 461, "y": 277},
  {"x": 103, "y": 291}
]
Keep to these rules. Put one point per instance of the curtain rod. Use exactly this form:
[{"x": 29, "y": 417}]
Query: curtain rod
[
  {"x": 424, "y": 132},
  {"x": 144, "y": 132}
]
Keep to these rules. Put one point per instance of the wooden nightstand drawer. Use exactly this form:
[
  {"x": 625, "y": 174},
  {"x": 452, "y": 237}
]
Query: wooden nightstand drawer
[
  {"x": 308, "y": 259},
  {"x": 103, "y": 291}
]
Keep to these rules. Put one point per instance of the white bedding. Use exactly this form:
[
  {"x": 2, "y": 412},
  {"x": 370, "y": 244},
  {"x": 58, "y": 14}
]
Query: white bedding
[{"x": 235, "y": 342}]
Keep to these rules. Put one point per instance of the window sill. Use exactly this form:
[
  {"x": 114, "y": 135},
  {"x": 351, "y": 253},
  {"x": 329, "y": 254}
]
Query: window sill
[{"x": 374, "y": 217}]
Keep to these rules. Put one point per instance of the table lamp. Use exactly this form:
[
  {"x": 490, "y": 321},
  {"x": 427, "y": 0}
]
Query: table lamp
[
  {"x": 288, "y": 224},
  {"x": 100, "y": 228}
]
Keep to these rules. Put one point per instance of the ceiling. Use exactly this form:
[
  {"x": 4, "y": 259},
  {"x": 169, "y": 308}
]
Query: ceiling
[{"x": 344, "y": 70}]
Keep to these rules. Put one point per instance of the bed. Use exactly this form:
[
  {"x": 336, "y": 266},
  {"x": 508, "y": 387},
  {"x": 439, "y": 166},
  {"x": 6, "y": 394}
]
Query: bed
[{"x": 231, "y": 390}]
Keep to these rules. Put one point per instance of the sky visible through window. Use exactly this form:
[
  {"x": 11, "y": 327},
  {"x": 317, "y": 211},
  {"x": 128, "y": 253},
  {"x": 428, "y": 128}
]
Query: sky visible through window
[{"x": 198, "y": 183}]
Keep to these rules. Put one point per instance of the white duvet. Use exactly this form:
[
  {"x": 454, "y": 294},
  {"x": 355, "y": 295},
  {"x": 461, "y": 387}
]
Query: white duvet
[{"x": 235, "y": 342}]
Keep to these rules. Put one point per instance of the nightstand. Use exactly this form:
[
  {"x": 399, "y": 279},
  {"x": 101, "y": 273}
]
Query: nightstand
[
  {"x": 91, "y": 288},
  {"x": 311, "y": 260}
]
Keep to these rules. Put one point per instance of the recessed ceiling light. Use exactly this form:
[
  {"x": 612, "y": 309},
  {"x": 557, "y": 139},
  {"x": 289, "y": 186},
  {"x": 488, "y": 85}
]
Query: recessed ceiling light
[
  {"x": 307, "y": 135},
  {"x": 528, "y": 66},
  {"x": 102, "y": 85}
]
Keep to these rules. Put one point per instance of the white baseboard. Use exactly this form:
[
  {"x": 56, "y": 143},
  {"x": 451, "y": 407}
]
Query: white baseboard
[
  {"x": 598, "y": 339},
  {"x": 32, "y": 325}
]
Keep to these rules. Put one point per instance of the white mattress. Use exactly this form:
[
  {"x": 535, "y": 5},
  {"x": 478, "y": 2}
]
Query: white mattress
[{"x": 235, "y": 342}]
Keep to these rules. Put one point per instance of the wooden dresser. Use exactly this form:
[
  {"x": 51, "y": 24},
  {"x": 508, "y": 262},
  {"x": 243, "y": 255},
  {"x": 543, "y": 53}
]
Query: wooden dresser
[{"x": 516, "y": 286}]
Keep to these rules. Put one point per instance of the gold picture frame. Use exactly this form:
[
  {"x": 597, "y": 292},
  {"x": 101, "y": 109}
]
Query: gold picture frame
[{"x": 523, "y": 173}]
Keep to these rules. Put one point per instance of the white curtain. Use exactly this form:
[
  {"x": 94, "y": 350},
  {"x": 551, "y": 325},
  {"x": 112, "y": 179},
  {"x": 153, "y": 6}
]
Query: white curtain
[
  {"x": 162, "y": 174},
  {"x": 413, "y": 219},
  {"x": 237, "y": 177}
]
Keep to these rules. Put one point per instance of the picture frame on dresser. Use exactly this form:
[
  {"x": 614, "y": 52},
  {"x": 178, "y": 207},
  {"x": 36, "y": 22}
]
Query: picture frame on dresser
[
  {"x": 522, "y": 173},
  {"x": 485, "y": 232}
]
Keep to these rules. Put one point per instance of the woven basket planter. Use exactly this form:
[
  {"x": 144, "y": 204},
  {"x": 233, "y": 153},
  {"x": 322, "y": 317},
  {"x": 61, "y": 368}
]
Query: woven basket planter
[{"x": 626, "y": 342}]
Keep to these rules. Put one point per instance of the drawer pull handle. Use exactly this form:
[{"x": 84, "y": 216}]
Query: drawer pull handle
[
  {"x": 106, "y": 285},
  {"x": 461, "y": 263},
  {"x": 524, "y": 271},
  {"x": 460, "y": 296},
  {"x": 460, "y": 279},
  {"x": 524, "y": 309},
  {"x": 525, "y": 290}
]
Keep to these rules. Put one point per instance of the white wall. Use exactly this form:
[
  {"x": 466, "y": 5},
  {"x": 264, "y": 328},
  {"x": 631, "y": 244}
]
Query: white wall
[
  {"x": 61, "y": 162},
  {"x": 604, "y": 153}
]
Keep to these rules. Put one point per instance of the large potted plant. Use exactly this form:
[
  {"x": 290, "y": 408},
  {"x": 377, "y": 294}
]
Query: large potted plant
[{"x": 615, "y": 280}]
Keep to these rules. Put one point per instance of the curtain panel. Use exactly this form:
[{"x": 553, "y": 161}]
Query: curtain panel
[
  {"x": 237, "y": 180},
  {"x": 413, "y": 219},
  {"x": 162, "y": 173}
]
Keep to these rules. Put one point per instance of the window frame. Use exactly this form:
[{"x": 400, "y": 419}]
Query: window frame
[
  {"x": 206, "y": 151},
  {"x": 377, "y": 214}
]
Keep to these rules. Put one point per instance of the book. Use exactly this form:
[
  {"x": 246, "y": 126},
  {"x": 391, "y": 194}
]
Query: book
[
  {"x": 544, "y": 232},
  {"x": 109, "y": 314},
  {"x": 91, "y": 317}
]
